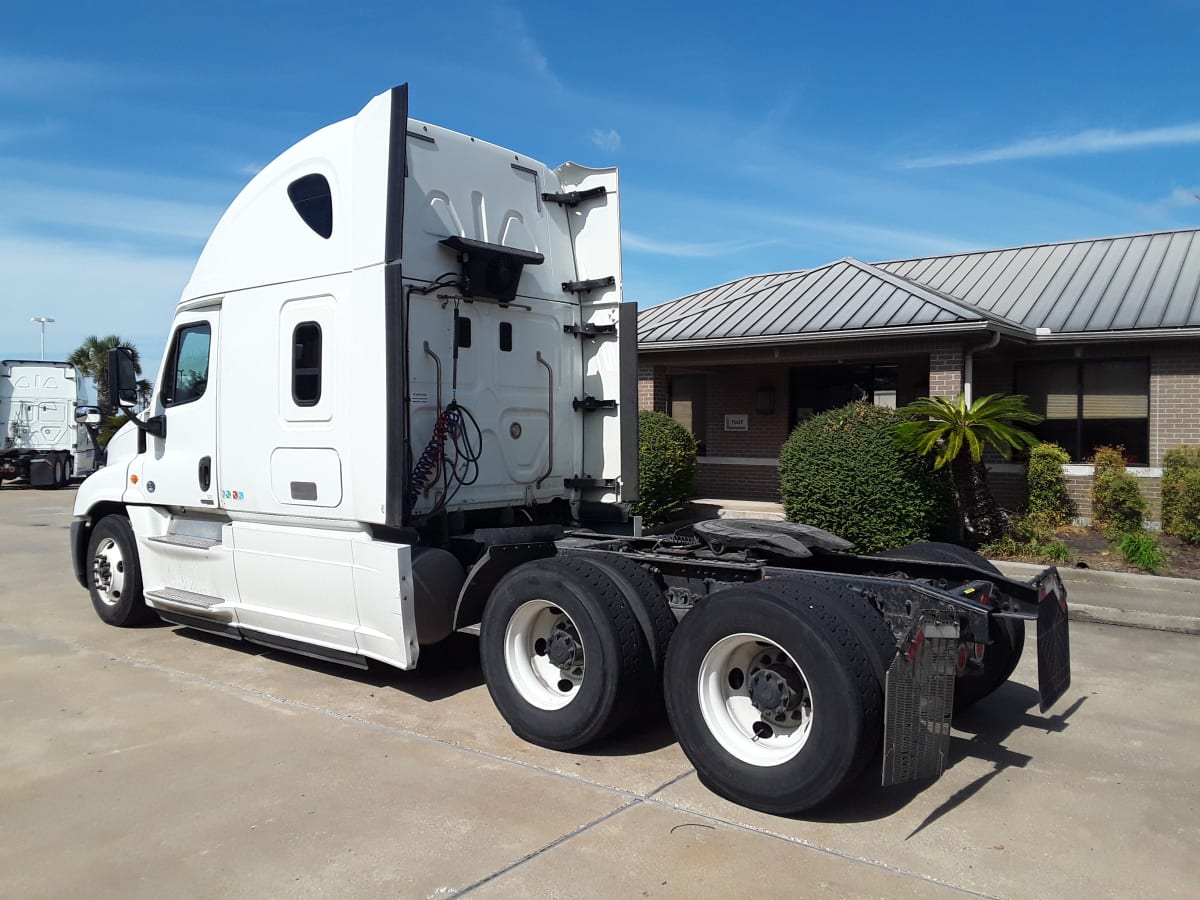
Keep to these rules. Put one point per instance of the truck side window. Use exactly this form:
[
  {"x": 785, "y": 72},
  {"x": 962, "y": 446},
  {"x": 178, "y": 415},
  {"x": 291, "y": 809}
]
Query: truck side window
[
  {"x": 306, "y": 364},
  {"x": 188, "y": 376}
]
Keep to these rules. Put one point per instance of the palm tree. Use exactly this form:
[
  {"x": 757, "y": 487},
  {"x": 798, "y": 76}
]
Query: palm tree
[
  {"x": 956, "y": 434},
  {"x": 91, "y": 358}
]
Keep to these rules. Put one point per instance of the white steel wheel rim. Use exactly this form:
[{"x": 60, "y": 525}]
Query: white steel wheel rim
[
  {"x": 537, "y": 678},
  {"x": 723, "y": 689},
  {"x": 108, "y": 571}
]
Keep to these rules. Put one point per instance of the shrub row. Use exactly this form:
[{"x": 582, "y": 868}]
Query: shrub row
[
  {"x": 1181, "y": 493},
  {"x": 666, "y": 467},
  {"x": 843, "y": 471},
  {"x": 1049, "y": 506}
]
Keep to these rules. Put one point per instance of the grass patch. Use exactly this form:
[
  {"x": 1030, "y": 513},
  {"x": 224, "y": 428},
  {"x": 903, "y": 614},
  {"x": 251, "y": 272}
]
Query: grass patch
[{"x": 1141, "y": 549}]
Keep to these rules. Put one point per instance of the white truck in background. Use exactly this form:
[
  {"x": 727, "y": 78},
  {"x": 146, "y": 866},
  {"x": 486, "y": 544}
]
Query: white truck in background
[
  {"x": 398, "y": 386},
  {"x": 44, "y": 441}
]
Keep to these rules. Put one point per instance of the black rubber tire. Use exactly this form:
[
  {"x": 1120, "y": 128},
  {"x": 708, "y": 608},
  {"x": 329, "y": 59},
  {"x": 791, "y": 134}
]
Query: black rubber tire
[
  {"x": 1007, "y": 636},
  {"x": 618, "y": 670},
  {"x": 648, "y": 602},
  {"x": 846, "y": 693},
  {"x": 130, "y": 609}
]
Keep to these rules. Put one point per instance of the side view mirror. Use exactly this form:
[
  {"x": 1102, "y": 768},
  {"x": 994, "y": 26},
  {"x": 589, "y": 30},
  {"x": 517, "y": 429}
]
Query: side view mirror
[
  {"x": 87, "y": 415},
  {"x": 122, "y": 378}
]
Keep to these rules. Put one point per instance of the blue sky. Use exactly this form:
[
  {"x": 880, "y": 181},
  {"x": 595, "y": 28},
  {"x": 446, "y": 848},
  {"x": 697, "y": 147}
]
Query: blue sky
[{"x": 773, "y": 137}]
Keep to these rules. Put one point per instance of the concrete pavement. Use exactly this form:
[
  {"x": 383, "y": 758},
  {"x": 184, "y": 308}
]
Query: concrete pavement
[{"x": 158, "y": 762}]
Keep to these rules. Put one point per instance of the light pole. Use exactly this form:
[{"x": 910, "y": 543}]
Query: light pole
[{"x": 42, "y": 320}]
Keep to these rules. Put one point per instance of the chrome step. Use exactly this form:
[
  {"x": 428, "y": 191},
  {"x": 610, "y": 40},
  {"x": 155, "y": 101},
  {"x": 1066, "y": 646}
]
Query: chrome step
[
  {"x": 186, "y": 540},
  {"x": 184, "y": 598}
]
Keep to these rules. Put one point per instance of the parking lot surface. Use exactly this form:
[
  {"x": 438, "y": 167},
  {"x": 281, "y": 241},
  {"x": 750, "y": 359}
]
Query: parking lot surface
[{"x": 160, "y": 762}]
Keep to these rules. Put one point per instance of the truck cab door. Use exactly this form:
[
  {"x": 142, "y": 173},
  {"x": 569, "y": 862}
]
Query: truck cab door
[{"x": 178, "y": 469}]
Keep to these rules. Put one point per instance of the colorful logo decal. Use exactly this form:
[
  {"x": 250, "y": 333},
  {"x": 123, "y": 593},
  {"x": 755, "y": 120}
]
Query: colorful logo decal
[{"x": 235, "y": 495}]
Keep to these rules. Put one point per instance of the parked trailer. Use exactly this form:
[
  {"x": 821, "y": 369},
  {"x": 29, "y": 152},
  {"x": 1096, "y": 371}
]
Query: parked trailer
[
  {"x": 41, "y": 441},
  {"x": 399, "y": 382}
]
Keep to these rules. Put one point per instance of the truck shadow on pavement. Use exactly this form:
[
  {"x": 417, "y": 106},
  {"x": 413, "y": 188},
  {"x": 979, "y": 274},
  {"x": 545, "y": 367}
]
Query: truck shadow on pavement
[
  {"x": 448, "y": 668},
  {"x": 979, "y": 733}
]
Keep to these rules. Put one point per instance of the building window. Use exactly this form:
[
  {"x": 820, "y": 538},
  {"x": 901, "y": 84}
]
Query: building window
[
  {"x": 306, "y": 364},
  {"x": 1090, "y": 403},
  {"x": 817, "y": 389},
  {"x": 189, "y": 365}
]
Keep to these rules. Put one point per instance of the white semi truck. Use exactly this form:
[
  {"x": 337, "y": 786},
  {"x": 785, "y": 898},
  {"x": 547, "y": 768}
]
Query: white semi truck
[
  {"x": 44, "y": 440},
  {"x": 398, "y": 387}
]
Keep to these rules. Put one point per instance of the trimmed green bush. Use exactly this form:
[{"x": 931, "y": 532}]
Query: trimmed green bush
[
  {"x": 666, "y": 467},
  {"x": 1118, "y": 507},
  {"x": 845, "y": 472},
  {"x": 1049, "y": 505},
  {"x": 1181, "y": 494}
]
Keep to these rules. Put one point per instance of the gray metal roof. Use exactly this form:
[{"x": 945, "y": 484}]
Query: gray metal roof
[
  {"x": 1136, "y": 282},
  {"x": 845, "y": 296},
  {"x": 1110, "y": 284}
]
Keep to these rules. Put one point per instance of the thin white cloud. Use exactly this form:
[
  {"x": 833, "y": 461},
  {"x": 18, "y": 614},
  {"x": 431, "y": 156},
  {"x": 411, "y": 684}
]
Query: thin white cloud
[
  {"x": 11, "y": 134},
  {"x": 1094, "y": 140},
  {"x": 1180, "y": 198},
  {"x": 512, "y": 25},
  {"x": 89, "y": 288},
  {"x": 105, "y": 212},
  {"x": 688, "y": 249},
  {"x": 608, "y": 140},
  {"x": 34, "y": 76}
]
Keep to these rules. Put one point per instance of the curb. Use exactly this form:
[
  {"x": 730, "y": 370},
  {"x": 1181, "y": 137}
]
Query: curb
[
  {"x": 1114, "y": 579},
  {"x": 1143, "y": 585},
  {"x": 1133, "y": 618}
]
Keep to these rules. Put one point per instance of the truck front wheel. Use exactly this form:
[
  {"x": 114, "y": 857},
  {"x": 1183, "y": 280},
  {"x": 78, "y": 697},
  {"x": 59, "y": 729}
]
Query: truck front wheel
[
  {"x": 115, "y": 576},
  {"x": 772, "y": 696},
  {"x": 562, "y": 654}
]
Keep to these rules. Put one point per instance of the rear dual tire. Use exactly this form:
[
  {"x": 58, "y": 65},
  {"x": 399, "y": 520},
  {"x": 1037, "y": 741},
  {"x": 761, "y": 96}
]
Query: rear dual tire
[
  {"x": 565, "y": 654},
  {"x": 775, "y": 694}
]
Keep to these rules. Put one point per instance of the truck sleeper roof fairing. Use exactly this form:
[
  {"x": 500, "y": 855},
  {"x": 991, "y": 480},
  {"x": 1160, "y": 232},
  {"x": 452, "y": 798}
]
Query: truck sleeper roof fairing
[{"x": 339, "y": 195}]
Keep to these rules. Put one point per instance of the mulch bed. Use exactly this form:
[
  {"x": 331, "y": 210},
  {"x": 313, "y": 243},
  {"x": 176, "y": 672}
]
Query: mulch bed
[{"x": 1092, "y": 550}]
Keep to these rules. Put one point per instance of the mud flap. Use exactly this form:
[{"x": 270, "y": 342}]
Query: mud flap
[
  {"x": 41, "y": 472},
  {"x": 919, "y": 699},
  {"x": 1053, "y": 643}
]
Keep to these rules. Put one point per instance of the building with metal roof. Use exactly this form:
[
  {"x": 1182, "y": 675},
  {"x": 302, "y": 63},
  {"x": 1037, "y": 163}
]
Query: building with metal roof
[{"x": 1103, "y": 335}]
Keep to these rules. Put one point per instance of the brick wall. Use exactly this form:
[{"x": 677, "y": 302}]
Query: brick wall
[
  {"x": 652, "y": 389},
  {"x": 727, "y": 482},
  {"x": 1174, "y": 400},
  {"x": 945, "y": 370},
  {"x": 733, "y": 390}
]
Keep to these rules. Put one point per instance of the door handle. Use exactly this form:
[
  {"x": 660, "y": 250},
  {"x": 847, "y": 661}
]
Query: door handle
[{"x": 205, "y": 473}]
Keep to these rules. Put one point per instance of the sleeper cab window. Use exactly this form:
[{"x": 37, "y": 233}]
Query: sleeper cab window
[
  {"x": 306, "y": 364},
  {"x": 189, "y": 364},
  {"x": 313, "y": 200}
]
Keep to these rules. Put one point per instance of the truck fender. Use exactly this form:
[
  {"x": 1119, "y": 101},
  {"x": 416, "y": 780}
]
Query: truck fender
[
  {"x": 497, "y": 561},
  {"x": 81, "y": 534}
]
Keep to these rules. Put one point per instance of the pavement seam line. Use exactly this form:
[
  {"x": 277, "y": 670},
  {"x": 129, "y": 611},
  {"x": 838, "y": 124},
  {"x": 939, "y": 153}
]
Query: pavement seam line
[
  {"x": 800, "y": 842},
  {"x": 670, "y": 781},
  {"x": 557, "y": 842},
  {"x": 344, "y": 717},
  {"x": 633, "y": 797}
]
